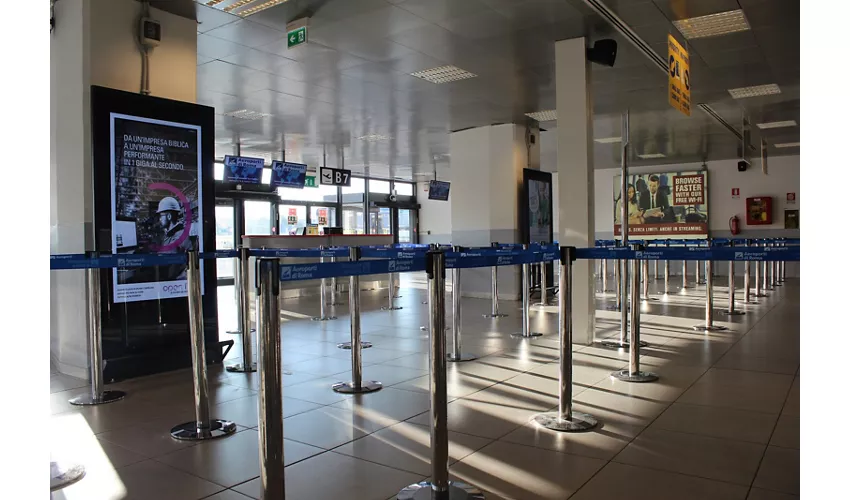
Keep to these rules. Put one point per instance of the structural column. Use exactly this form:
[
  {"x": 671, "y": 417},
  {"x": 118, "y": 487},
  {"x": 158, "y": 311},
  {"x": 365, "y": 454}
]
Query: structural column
[{"x": 574, "y": 105}]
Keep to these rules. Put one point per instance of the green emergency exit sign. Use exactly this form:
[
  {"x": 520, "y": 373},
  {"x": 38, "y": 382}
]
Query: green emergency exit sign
[
  {"x": 296, "y": 37},
  {"x": 310, "y": 181}
]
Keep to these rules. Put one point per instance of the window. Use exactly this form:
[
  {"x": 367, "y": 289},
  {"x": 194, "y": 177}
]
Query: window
[
  {"x": 258, "y": 217},
  {"x": 323, "y": 216},
  {"x": 352, "y": 219},
  {"x": 376, "y": 186},
  {"x": 358, "y": 186},
  {"x": 291, "y": 218},
  {"x": 218, "y": 171},
  {"x": 403, "y": 188},
  {"x": 322, "y": 193}
]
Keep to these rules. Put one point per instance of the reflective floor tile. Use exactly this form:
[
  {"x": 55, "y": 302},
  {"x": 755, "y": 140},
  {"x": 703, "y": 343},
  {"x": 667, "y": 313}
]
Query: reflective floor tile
[
  {"x": 408, "y": 447},
  {"x": 60, "y": 383},
  {"x": 418, "y": 361},
  {"x": 332, "y": 475},
  {"x": 510, "y": 471},
  {"x": 737, "y": 361},
  {"x": 619, "y": 481},
  {"x": 762, "y": 494},
  {"x": 323, "y": 366},
  {"x": 330, "y": 427},
  {"x": 711, "y": 458},
  {"x": 717, "y": 422},
  {"x": 387, "y": 375},
  {"x": 672, "y": 382},
  {"x": 792, "y": 402},
  {"x": 457, "y": 384},
  {"x": 151, "y": 440},
  {"x": 316, "y": 391},
  {"x": 244, "y": 411},
  {"x": 787, "y": 432},
  {"x": 387, "y": 405},
  {"x": 231, "y": 460},
  {"x": 743, "y": 390},
  {"x": 779, "y": 471}
]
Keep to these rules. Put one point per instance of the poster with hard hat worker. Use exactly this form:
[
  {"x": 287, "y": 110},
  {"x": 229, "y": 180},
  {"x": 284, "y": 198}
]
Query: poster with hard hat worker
[{"x": 156, "y": 203}]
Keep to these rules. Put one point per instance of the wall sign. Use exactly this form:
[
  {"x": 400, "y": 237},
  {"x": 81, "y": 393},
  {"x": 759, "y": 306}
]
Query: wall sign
[
  {"x": 791, "y": 199},
  {"x": 736, "y": 193},
  {"x": 292, "y": 217},
  {"x": 323, "y": 216},
  {"x": 335, "y": 176},
  {"x": 792, "y": 219}
]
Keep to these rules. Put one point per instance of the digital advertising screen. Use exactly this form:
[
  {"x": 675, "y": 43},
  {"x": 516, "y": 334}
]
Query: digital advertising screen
[
  {"x": 537, "y": 206},
  {"x": 663, "y": 204},
  {"x": 287, "y": 174},
  {"x": 438, "y": 190},
  {"x": 156, "y": 203},
  {"x": 243, "y": 169}
]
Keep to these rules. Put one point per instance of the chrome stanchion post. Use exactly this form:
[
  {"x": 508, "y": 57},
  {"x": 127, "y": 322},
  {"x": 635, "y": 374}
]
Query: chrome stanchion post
[
  {"x": 748, "y": 298},
  {"x": 709, "y": 325},
  {"x": 334, "y": 288},
  {"x": 731, "y": 311},
  {"x": 269, "y": 400},
  {"x": 645, "y": 277},
  {"x": 544, "y": 292},
  {"x": 604, "y": 275},
  {"x": 765, "y": 284},
  {"x": 655, "y": 265},
  {"x": 494, "y": 291},
  {"x": 526, "y": 332},
  {"x": 356, "y": 385},
  {"x": 757, "y": 278},
  {"x": 633, "y": 373},
  {"x": 667, "y": 272},
  {"x": 243, "y": 288},
  {"x": 323, "y": 296},
  {"x": 782, "y": 266},
  {"x": 97, "y": 395},
  {"x": 203, "y": 427},
  {"x": 457, "y": 353},
  {"x": 440, "y": 487},
  {"x": 565, "y": 419},
  {"x": 354, "y": 254},
  {"x": 775, "y": 264},
  {"x": 618, "y": 275},
  {"x": 390, "y": 295},
  {"x": 684, "y": 274}
]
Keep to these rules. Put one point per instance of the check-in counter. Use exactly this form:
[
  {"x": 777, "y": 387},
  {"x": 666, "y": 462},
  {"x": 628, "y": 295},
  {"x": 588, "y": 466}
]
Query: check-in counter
[{"x": 311, "y": 287}]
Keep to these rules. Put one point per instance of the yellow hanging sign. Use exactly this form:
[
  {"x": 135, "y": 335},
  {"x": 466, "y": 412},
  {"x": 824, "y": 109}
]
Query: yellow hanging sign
[{"x": 678, "y": 76}]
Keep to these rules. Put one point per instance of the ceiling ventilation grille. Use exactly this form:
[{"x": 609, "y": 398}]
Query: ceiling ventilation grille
[
  {"x": 241, "y": 8},
  {"x": 443, "y": 74},
  {"x": 718, "y": 24},
  {"x": 548, "y": 115},
  {"x": 246, "y": 114}
]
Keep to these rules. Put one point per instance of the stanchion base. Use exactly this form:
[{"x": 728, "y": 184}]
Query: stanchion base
[
  {"x": 425, "y": 328},
  {"x": 393, "y": 308},
  {"x": 499, "y": 315},
  {"x": 615, "y": 344},
  {"x": 65, "y": 474},
  {"x": 240, "y": 368},
  {"x": 529, "y": 335},
  {"x": 612, "y": 308},
  {"x": 648, "y": 299},
  {"x": 323, "y": 318},
  {"x": 712, "y": 328},
  {"x": 760, "y": 295},
  {"x": 106, "y": 397},
  {"x": 350, "y": 388},
  {"x": 457, "y": 491},
  {"x": 541, "y": 304},
  {"x": 751, "y": 302},
  {"x": 733, "y": 313},
  {"x": 239, "y": 332},
  {"x": 336, "y": 303},
  {"x": 552, "y": 420},
  {"x": 639, "y": 377},
  {"x": 190, "y": 432},
  {"x": 464, "y": 356},
  {"x": 347, "y": 345},
  {"x": 424, "y": 302}
]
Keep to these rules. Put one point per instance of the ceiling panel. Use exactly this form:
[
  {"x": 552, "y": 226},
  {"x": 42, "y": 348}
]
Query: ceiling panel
[
  {"x": 436, "y": 11},
  {"x": 248, "y": 33}
]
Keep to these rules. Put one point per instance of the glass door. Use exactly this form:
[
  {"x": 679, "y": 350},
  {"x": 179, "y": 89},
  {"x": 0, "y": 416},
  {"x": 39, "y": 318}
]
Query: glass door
[
  {"x": 406, "y": 226},
  {"x": 380, "y": 220},
  {"x": 225, "y": 239}
]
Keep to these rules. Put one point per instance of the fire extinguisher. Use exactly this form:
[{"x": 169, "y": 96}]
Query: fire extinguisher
[{"x": 734, "y": 226}]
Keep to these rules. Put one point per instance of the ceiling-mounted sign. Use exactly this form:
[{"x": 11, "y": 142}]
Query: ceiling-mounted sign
[
  {"x": 296, "y": 32},
  {"x": 310, "y": 181},
  {"x": 678, "y": 76},
  {"x": 335, "y": 176}
]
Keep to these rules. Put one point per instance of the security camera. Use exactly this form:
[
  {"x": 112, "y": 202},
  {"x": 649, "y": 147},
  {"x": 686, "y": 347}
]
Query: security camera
[{"x": 742, "y": 165}]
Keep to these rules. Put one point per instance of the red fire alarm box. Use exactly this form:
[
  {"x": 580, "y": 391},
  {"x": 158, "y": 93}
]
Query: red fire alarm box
[{"x": 759, "y": 211}]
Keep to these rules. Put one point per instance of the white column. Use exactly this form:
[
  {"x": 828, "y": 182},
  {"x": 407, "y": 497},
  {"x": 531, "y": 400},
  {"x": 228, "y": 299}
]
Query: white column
[
  {"x": 94, "y": 43},
  {"x": 575, "y": 174}
]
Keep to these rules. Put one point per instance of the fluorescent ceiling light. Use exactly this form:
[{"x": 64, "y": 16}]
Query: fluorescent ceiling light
[
  {"x": 652, "y": 156},
  {"x": 721, "y": 23},
  {"x": 609, "y": 140},
  {"x": 756, "y": 91},
  {"x": 373, "y": 137},
  {"x": 246, "y": 114},
  {"x": 242, "y": 8},
  {"x": 443, "y": 74},
  {"x": 548, "y": 115},
  {"x": 786, "y": 123},
  {"x": 788, "y": 145}
]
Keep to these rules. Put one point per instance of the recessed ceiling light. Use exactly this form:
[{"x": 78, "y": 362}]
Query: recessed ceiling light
[
  {"x": 721, "y": 23},
  {"x": 246, "y": 114},
  {"x": 788, "y": 145},
  {"x": 652, "y": 156},
  {"x": 443, "y": 74},
  {"x": 373, "y": 137},
  {"x": 609, "y": 140},
  {"x": 548, "y": 115},
  {"x": 786, "y": 123},
  {"x": 756, "y": 91},
  {"x": 242, "y": 8}
]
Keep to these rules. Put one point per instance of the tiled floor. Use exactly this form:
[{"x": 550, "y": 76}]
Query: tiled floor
[{"x": 722, "y": 422}]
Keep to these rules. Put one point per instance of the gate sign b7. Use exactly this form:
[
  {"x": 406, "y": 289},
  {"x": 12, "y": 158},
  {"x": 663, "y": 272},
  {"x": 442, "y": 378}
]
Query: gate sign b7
[{"x": 335, "y": 176}]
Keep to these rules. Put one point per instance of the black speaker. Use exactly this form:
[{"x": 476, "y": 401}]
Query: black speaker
[
  {"x": 604, "y": 52},
  {"x": 742, "y": 166}
]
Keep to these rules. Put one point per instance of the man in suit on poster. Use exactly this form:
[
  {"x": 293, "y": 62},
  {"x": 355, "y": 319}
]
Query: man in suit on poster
[{"x": 655, "y": 204}]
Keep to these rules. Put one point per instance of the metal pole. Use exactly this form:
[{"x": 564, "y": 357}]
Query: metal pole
[
  {"x": 243, "y": 288},
  {"x": 684, "y": 274},
  {"x": 269, "y": 400},
  {"x": 334, "y": 288},
  {"x": 565, "y": 419},
  {"x": 544, "y": 295},
  {"x": 731, "y": 311},
  {"x": 709, "y": 325},
  {"x": 633, "y": 373},
  {"x": 356, "y": 385},
  {"x": 323, "y": 295},
  {"x": 440, "y": 487},
  {"x": 526, "y": 332},
  {"x": 97, "y": 395},
  {"x": 457, "y": 353},
  {"x": 645, "y": 276},
  {"x": 782, "y": 266},
  {"x": 494, "y": 291},
  {"x": 390, "y": 295},
  {"x": 764, "y": 283},
  {"x": 604, "y": 275},
  {"x": 667, "y": 272},
  {"x": 775, "y": 265},
  {"x": 748, "y": 299},
  {"x": 203, "y": 427},
  {"x": 655, "y": 265},
  {"x": 758, "y": 281}
]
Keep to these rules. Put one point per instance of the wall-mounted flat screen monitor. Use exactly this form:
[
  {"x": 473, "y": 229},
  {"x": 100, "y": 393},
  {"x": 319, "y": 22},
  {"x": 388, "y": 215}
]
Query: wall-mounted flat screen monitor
[
  {"x": 288, "y": 174},
  {"x": 438, "y": 190},
  {"x": 243, "y": 169}
]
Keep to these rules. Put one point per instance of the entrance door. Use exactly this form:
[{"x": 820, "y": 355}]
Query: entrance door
[
  {"x": 225, "y": 239},
  {"x": 406, "y": 230},
  {"x": 380, "y": 220}
]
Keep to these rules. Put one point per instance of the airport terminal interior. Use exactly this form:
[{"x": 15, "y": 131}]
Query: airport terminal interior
[{"x": 425, "y": 249}]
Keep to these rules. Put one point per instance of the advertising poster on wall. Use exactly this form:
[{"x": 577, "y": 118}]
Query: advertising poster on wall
[
  {"x": 156, "y": 202},
  {"x": 664, "y": 204},
  {"x": 537, "y": 194}
]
